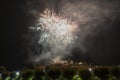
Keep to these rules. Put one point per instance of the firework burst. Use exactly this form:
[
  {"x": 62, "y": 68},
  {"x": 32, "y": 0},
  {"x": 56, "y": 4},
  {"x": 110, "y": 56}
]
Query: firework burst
[{"x": 56, "y": 33}]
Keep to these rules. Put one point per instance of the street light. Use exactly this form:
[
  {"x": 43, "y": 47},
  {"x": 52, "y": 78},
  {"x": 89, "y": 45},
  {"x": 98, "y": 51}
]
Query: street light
[
  {"x": 17, "y": 73},
  {"x": 90, "y": 69}
]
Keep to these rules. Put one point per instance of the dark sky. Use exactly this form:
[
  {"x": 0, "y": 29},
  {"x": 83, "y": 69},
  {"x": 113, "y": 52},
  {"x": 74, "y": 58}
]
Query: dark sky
[
  {"x": 14, "y": 26},
  {"x": 105, "y": 48}
]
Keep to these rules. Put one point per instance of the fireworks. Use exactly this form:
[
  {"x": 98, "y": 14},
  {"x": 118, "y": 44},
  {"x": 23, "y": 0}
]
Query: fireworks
[{"x": 56, "y": 33}]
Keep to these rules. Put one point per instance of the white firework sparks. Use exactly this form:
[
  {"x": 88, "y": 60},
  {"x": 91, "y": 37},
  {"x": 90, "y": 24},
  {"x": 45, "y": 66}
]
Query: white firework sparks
[{"x": 56, "y": 33}]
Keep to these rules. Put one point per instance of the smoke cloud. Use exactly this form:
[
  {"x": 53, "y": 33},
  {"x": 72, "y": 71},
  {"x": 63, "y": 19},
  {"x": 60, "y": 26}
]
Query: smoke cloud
[{"x": 92, "y": 17}]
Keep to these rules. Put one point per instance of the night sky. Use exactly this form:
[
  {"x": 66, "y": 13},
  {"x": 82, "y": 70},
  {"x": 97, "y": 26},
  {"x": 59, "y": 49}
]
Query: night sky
[{"x": 104, "y": 49}]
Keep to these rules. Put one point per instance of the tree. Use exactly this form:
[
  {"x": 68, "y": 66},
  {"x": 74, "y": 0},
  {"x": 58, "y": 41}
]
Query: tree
[
  {"x": 85, "y": 74},
  {"x": 68, "y": 73},
  {"x": 54, "y": 73},
  {"x": 5, "y": 75},
  {"x": 2, "y": 69},
  {"x": 39, "y": 73},
  {"x": 12, "y": 75},
  {"x": 102, "y": 72},
  {"x": 115, "y": 71},
  {"x": 27, "y": 74}
]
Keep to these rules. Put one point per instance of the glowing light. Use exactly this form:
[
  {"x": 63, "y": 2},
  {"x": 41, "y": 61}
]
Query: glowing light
[
  {"x": 56, "y": 33},
  {"x": 90, "y": 69},
  {"x": 17, "y": 73}
]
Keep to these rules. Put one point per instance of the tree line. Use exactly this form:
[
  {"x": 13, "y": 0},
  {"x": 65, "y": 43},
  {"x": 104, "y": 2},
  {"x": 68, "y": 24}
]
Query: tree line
[{"x": 66, "y": 73}]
